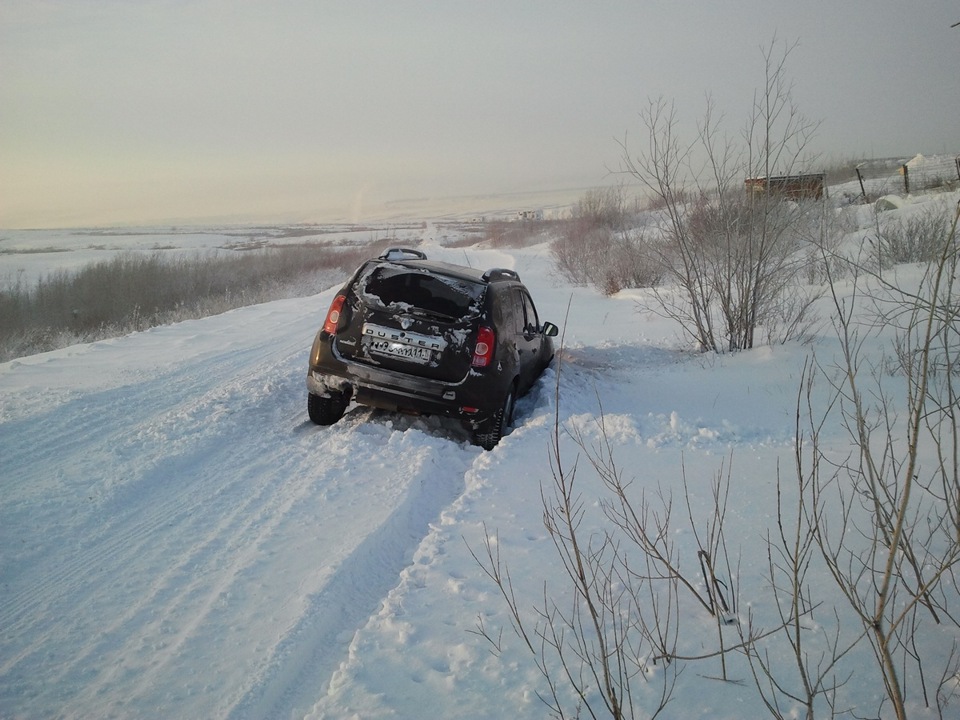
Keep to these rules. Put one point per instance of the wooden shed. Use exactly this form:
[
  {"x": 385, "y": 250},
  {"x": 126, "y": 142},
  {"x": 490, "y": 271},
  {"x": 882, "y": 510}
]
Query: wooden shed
[{"x": 795, "y": 187}]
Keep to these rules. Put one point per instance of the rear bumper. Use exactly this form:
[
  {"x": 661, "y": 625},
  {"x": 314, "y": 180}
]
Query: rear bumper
[
  {"x": 403, "y": 394},
  {"x": 475, "y": 395}
]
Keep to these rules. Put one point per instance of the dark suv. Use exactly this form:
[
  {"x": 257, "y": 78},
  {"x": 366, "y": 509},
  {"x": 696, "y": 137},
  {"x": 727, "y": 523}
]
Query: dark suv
[{"x": 414, "y": 335}]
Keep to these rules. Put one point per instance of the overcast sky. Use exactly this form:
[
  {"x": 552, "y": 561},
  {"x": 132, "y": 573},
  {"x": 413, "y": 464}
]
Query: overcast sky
[{"x": 172, "y": 111}]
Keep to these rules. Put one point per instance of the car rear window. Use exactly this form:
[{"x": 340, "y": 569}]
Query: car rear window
[{"x": 392, "y": 287}]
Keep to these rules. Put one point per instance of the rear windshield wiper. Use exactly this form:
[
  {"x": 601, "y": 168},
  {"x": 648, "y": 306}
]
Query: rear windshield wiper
[{"x": 432, "y": 314}]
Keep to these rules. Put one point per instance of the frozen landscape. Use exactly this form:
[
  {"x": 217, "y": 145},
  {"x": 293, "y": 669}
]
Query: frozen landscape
[{"x": 178, "y": 540}]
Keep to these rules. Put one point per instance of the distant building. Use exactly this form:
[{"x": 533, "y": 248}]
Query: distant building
[
  {"x": 793, "y": 187},
  {"x": 530, "y": 215}
]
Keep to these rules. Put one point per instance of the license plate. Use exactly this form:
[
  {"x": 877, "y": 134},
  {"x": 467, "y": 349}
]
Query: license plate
[{"x": 401, "y": 350}]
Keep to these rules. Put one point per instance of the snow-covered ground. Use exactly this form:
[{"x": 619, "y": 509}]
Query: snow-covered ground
[
  {"x": 178, "y": 540},
  {"x": 27, "y": 255}
]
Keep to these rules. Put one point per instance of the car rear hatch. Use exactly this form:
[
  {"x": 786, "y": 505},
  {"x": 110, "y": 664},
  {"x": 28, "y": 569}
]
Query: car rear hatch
[{"x": 414, "y": 321}]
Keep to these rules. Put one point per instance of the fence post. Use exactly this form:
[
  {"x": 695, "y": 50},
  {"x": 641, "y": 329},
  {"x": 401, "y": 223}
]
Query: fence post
[
  {"x": 906, "y": 179},
  {"x": 860, "y": 178}
]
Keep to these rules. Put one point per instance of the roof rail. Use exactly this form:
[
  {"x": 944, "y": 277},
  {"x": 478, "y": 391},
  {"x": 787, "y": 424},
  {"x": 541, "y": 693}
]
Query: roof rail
[
  {"x": 398, "y": 253},
  {"x": 500, "y": 274}
]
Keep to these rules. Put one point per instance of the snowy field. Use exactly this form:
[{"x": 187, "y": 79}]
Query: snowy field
[
  {"x": 28, "y": 255},
  {"x": 178, "y": 540}
]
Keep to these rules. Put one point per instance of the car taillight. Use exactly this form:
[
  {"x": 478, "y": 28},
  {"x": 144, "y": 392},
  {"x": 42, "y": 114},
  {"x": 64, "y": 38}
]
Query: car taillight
[
  {"x": 483, "y": 352},
  {"x": 333, "y": 315}
]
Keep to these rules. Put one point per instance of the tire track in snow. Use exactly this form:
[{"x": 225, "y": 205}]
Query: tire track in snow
[
  {"x": 168, "y": 502},
  {"x": 176, "y": 532},
  {"x": 192, "y": 589},
  {"x": 306, "y": 657},
  {"x": 184, "y": 492},
  {"x": 119, "y": 527}
]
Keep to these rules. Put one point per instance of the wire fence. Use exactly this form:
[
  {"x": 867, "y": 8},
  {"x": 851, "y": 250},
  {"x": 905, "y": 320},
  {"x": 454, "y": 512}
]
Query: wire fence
[{"x": 899, "y": 176}]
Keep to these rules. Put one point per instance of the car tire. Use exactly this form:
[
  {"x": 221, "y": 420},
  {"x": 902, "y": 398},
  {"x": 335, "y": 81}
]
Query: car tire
[
  {"x": 326, "y": 410},
  {"x": 488, "y": 432}
]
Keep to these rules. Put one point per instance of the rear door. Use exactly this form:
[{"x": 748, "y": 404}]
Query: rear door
[{"x": 412, "y": 321}]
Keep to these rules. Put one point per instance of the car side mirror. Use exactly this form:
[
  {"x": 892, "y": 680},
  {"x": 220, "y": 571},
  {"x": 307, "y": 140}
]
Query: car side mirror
[{"x": 550, "y": 330}]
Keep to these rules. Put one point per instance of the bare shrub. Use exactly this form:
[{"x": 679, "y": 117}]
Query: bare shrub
[
  {"x": 517, "y": 234},
  {"x": 893, "y": 546},
  {"x": 609, "y": 261},
  {"x": 577, "y": 249},
  {"x": 732, "y": 261},
  {"x": 596, "y": 247},
  {"x": 654, "y": 201},
  {"x": 135, "y": 291},
  {"x": 919, "y": 238},
  {"x": 628, "y": 263},
  {"x": 466, "y": 241},
  {"x": 606, "y": 644},
  {"x": 882, "y": 523},
  {"x": 603, "y": 207}
]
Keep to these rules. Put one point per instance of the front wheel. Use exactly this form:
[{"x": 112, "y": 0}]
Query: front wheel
[
  {"x": 326, "y": 410},
  {"x": 488, "y": 432}
]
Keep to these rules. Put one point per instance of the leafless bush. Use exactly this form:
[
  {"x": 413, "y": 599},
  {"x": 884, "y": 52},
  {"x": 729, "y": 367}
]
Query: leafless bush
[
  {"x": 610, "y": 261},
  {"x": 603, "y": 207},
  {"x": 628, "y": 263},
  {"x": 597, "y": 247},
  {"x": 919, "y": 238},
  {"x": 881, "y": 523},
  {"x": 577, "y": 250},
  {"x": 607, "y": 643},
  {"x": 655, "y": 202},
  {"x": 731, "y": 261},
  {"x": 892, "y": 546},
  {"x": 517, "y": 234},
  {"x": 134, "y": 291},
  {"x": 468, "y": 240}
]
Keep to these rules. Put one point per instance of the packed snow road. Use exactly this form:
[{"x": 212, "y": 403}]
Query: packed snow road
[
  {"x": 178, "y": 540},
  {"x": 176, "y": 534}
]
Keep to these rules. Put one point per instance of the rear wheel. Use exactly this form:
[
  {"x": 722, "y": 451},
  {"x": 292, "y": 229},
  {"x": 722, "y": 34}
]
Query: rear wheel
[
  {"x": 488, "y": 432},
  {"x": 326, "y": 410}
]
